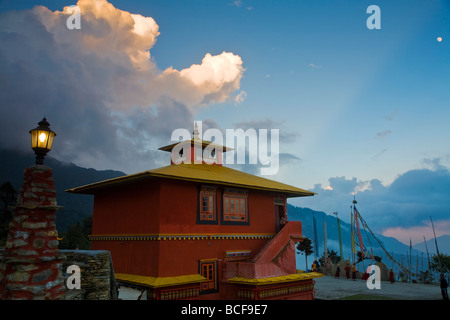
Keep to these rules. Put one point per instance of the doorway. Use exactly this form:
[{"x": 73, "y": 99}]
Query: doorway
[{"x": 280, "y": 214}]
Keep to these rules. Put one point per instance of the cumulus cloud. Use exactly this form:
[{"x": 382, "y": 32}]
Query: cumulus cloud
[
  {"x": 99, "y": 86},
  {"x": 405, "y": 205}
]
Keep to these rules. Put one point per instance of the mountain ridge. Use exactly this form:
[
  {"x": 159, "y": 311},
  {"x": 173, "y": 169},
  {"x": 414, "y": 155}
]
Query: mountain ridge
[
  {"x": 392, "y": 245},
  {"x": 77, "y": 207},
  {"x": 66, "y": 176}
]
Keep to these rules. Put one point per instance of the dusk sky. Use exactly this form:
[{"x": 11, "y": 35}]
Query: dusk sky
[{"x": 360, "y": 111}]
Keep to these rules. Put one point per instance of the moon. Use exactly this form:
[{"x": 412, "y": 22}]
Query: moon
[{"x": 439, "y": 39}]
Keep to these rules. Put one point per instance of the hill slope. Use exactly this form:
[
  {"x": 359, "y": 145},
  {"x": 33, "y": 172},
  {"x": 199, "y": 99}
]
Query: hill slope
[
  {"x": 66, "y": 175},
  {"x": 392, "y": 245},
  {"x": 77, "y": 207}
]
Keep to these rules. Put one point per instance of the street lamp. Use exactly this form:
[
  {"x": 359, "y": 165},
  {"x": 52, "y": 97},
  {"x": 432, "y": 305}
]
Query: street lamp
[{"x": 42, "y": 140}]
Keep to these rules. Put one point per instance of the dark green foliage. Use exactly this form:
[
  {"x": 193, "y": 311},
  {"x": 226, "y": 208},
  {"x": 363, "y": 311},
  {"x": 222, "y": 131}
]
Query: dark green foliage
[
  {"x": 8, "y": 197},
  {"x": 76, "y": 236},
  {"x": 305, "y": 247}
]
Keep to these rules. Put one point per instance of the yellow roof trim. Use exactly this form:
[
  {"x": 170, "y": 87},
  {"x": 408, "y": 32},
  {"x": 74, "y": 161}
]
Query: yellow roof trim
[
  {"x": 182, "y": 235},
  {"x": 274, "y": 280},
  {"x": 157, "y": 282},
  {"x": 203, "y": 173}
]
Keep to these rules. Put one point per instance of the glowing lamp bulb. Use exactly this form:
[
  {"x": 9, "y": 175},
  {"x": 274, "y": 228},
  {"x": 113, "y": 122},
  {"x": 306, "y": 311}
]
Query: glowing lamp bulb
[{"x": 42, "y": 137}]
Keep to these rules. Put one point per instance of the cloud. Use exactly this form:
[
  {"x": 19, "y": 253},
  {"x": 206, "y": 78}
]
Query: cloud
[
  {"x": 391, "y": 116},
  {"x": 285, "y": 135},
  {"x": 383, "y": 134},
  {"x": 99, "y": 86},
  {"x": 266, "y": 144},
  {"x": 217, "y": 77},
  {"x": 314, "y": 66},
  {"x": 405, "y": 205},
  {"x": 239, "y": 4},
  {"x": 379, "y": 154},
  {"x": 416, "y": 233},
  {"x": 436, "y": 163}
]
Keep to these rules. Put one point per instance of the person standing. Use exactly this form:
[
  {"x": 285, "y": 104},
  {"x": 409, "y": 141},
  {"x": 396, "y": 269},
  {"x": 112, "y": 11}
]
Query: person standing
[
  {"x": 316, "y": 266},
  {"x": 347, "y": 271},
  {"x": 391, "y": 276},
  {"x": 354, "y": 272},
  {"x": 338, "y": 272},
  {"x": 443, "y": 285}
]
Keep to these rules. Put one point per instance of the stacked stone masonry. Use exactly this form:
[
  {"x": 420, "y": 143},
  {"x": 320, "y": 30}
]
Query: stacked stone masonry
[
  {"x": 97, "y": 275},
  {"x": 31, "y": 266},
  {"x": 31, "y": 262}
]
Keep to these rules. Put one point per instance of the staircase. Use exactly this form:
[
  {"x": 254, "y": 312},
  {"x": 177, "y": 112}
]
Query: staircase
[{"x": 276, "y": 258}]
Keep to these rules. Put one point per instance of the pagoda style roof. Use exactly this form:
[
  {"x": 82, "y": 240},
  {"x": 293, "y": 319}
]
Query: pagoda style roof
[{"x": 202, "y": 173}]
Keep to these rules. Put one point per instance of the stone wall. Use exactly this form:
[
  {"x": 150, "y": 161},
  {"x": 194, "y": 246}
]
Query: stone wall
[
  {"x": 31, "y": 263},
  {"x": 31, "y": 266},
  {"x": 96, "y": 271}
]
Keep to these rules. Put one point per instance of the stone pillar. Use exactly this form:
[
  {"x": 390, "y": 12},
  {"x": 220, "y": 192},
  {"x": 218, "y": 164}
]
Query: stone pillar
[{"x": 31, "y": 262}]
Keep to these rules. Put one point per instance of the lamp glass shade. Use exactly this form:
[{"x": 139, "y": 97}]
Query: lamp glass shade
[{"x": 42, "y": 137}]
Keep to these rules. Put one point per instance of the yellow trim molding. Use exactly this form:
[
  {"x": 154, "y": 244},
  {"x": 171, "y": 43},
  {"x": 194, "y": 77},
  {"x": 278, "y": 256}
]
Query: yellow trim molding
[
  {"x": 169, "y": 237},
  {"x": 158, "y": 282}
]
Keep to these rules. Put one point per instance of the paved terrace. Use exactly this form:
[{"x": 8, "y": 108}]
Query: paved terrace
[{"x": 330, "y": 288}]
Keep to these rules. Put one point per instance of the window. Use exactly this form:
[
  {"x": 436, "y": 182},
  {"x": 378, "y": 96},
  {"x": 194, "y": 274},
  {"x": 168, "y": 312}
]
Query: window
[
  {"x": 235, "y": 207},
  {"x": 208, "y": 269},
  {"x": 207, "y": 205}
]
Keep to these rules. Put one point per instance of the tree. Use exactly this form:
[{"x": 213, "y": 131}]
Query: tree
[
  {"x": 332, "y": 255},
  {"x": 8, "y": 198},
  {"x": 77, "y": 236},
  {"x": 305, "y": 247},
  {"x": 443, "y": 266},
  {"x": 366, "y": 257}
]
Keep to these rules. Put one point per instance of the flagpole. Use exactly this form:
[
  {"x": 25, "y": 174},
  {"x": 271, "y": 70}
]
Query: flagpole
[
  {"x": 437, "y": 249},
  {"x": 417, "y": 268},
  {"x": 410, "y": 261},
  {"x": 428, "y": 258},
  {"x": 325, "y": 253},
  {"x": 341, "y": 251},
  {"x": 315, "y": 237},
  {"x": 407, "y": 263},
  {"x": 361, "y": 244},
  {"x": 352, "y": 235}
]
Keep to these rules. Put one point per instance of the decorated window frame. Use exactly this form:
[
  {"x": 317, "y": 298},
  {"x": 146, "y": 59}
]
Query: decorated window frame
[
  {"x": 207, "y": 205},
  {"x": 209, "y": 269},
  {"x": 235, "y": 207}
]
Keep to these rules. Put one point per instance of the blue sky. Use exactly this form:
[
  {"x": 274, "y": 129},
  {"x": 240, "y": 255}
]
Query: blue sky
[{"x": 355, "y": 107}]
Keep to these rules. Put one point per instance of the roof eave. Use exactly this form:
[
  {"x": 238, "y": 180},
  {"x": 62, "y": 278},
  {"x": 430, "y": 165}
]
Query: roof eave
[{"x": 93, "y": 187}]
